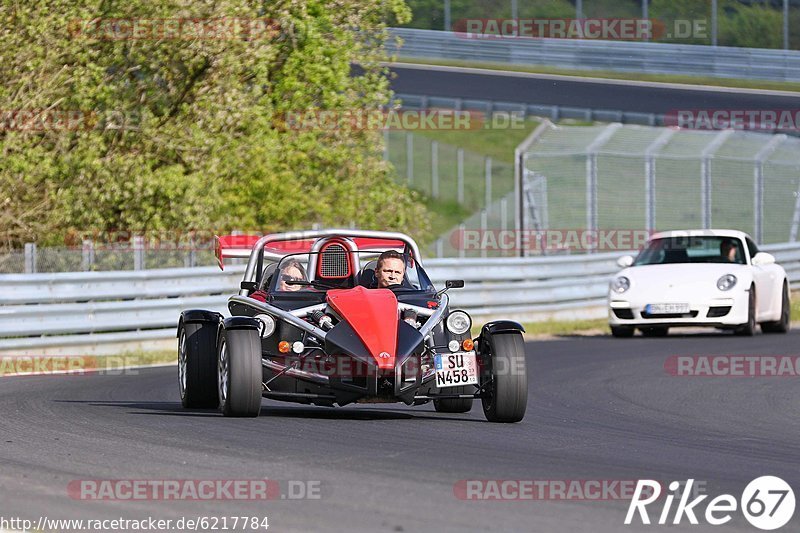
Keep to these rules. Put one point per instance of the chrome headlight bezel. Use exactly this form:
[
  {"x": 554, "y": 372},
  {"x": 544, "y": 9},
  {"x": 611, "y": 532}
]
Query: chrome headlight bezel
[
  {"x": 726, "y": 282},
  {"x": 458, "y": 322},
  {"x": 620, "y": 284},
  {"x": 268, "y": 325}
]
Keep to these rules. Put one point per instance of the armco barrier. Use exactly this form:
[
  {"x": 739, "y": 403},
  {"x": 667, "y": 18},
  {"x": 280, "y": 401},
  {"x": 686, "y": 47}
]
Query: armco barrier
[
  {"x": 109, "y": 311},
  {"x": 623, "y": 56}
]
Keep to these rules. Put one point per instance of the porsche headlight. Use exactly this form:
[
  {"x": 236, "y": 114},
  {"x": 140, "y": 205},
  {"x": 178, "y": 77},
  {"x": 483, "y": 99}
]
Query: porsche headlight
[
  {"x": 726, "y": 282},
  {"x": 267, "y": 325},
  {"x": 458, "y": 322},
  {"x": 620, "y": 284}
]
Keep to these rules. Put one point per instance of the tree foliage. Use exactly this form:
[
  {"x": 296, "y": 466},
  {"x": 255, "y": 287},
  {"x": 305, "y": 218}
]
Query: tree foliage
[{"x": 183, "y": 133}]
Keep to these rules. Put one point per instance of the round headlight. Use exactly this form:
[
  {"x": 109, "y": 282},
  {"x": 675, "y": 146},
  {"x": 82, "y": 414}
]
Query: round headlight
[
  {"x": 458, "y": 322},
  {"x": 267, "y": 325},
  {"x": 620, "y": 284},
  {"x": 726, "y": 282}
]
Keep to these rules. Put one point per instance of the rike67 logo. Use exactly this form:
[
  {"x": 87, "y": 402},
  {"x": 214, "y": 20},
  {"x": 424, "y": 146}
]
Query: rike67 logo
[{"x": 767, "y": 503}]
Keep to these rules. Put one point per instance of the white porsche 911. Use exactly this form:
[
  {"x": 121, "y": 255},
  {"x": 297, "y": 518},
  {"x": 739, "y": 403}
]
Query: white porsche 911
[{"x": 715, "y": 278}]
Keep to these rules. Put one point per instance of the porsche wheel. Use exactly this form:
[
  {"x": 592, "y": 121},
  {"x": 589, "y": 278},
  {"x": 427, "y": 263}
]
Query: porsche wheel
[
  {"x": 197, "y": 377},
  {"x": 239, "y": 372},
  {"x": 505, "y": 380},
  {"x": 455, "y": 405},
  {"x": 622, "y": 331},
  {"x": 748, "y": 329},
  {"x": 782, "y": 325}
]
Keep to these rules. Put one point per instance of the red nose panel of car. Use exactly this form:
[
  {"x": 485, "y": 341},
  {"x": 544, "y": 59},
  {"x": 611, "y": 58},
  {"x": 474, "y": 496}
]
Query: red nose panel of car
[{"x": 372, "y": 313}]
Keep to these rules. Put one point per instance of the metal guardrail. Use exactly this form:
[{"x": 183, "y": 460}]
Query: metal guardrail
[
  {"x": 624, "y": 56},
  {"x": 41, "y": 312}
]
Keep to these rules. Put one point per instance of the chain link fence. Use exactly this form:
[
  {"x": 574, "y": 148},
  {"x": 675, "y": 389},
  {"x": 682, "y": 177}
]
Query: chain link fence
[{"x": 616, "y": 177}]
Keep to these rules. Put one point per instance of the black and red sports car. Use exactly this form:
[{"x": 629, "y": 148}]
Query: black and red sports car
[{"x": 310, "y": 326}]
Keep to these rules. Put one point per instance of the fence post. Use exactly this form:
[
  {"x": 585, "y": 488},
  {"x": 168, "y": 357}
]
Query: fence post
[
  {"x": 138, "y": 252},
  {"x": 30, "y": 258},
  {"x": 460, "y": 176},
  {"x": 439, "y": 248},
  {"x": 461, "y": 228},
  {"x": 435, "y": 169},
  {"x": 386, "y": 145},
  {"x": 87, "y": 255},
  {"x": 484, "y": 229},
  {"x": 409, "y": 158},
  {"x": 488, "y": 182},
  {"x": 758, "y": 185}
]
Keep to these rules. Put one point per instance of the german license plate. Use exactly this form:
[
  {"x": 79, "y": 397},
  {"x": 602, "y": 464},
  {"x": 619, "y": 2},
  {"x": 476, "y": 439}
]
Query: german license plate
[
  {"x": 666, "y": 309},
  {"x": 456, "y": 369}
]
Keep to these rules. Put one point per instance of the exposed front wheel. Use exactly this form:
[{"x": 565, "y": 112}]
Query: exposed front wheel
[
  {"x": 239, "y": 372},
  {"x": 197, "y": 377},
  {"x": 782, "y": 325},
  {"x": 505, "y": 378},
  {"x": 455, "y": 405}
]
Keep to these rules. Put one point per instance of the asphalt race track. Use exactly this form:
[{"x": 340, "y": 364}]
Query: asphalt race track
[
  {"x": 599, "y": 409},
  {"x": 636, "y": 97}
]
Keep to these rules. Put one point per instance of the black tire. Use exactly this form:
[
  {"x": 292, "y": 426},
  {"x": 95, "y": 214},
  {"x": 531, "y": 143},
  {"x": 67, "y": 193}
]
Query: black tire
[
  {"x": 748, "y": 329},
  {"x": 451, "y": 405},
  {"x": 197, "y": 365},
  {"x": 622, "y": 331},
  {"x": 239, "y": 372},
  {"x": 658, "y": 331},
  {"x": 784, "y": 324},
  {"x": 506, "y": 394}
]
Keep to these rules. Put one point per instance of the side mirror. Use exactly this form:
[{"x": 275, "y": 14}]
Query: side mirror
[
  {"x": 454, "y": 284},
  {"x": 248, "y": 285},
  {"x": 625, "y": 261},
  {"x": 763, "y": 259}
]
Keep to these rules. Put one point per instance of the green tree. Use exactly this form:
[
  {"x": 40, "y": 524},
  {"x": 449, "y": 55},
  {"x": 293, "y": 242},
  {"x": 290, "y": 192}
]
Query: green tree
[{"x": 190, "y": 132}]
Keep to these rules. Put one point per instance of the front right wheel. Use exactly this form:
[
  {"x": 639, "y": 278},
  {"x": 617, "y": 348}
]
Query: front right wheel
[{"x": 505, "y": 395}]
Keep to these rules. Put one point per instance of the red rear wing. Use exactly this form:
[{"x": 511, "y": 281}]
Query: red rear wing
[{"x": 232, "y": 246}]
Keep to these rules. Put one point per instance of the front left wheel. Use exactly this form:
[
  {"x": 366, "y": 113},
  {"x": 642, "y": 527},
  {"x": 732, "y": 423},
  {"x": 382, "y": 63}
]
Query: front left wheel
[
  {"x": 505, "y": 395},
  {"x": 239, "y": 372}
]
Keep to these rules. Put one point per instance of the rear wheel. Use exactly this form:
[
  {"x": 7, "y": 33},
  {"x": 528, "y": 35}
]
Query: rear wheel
[
  {"x": 655, "y": 332},
  {"x": 782, "y": 325},
  {"x": 239, "y": 372},
  {"x": 455, "y": 405},
  {"x": 197, "y": 376},
  {"x": 505, "y": 380},
  {"x": 622, "y": 331},
  {"x": 748, "y": 329}
]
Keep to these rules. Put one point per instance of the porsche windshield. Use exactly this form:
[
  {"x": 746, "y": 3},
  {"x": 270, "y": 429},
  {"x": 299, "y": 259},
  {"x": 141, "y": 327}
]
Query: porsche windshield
[
  {"x": 704, "y": 249},
  {"x": 340, "y": 269}
]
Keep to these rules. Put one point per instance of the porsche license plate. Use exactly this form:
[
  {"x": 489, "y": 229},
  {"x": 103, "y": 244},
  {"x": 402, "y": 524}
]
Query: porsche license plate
[
  {"x": 666, "y": 309},
  {"x": 455, "y": 369}
]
